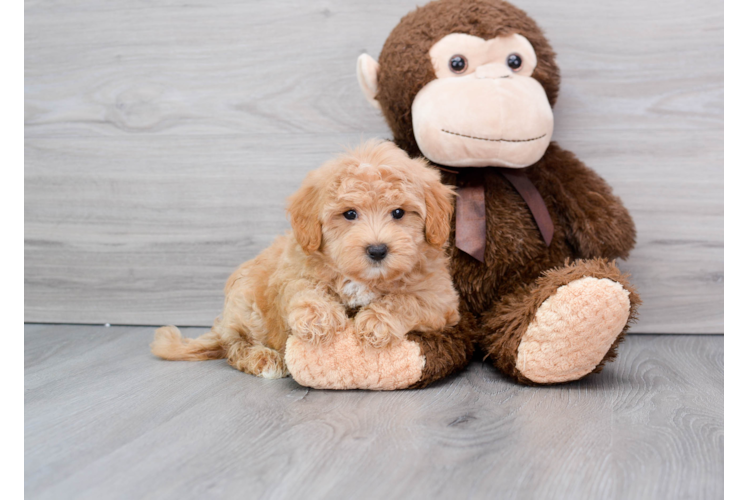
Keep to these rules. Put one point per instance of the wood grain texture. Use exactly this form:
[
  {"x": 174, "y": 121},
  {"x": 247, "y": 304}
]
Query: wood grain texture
[
  {"x": 106, "y": 419},
  {"x": 162, "y": 139}
]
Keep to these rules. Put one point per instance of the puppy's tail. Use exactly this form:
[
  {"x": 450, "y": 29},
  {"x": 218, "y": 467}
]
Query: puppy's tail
[{"x": 168, "y": 343}]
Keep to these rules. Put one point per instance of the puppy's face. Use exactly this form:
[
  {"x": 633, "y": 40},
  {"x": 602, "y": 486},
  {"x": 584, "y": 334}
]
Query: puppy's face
[
  {"x": 372, "y": 227},
  {"x": 373, "y": 213}
]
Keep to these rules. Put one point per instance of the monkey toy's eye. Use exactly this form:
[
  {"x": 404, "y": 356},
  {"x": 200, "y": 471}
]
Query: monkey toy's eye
[
  {"x": 398, "y": 213},
  {"x": 458, "y": 64},
  {"x": 350, "y": 214},
  {"x": 514, "y": 61}
]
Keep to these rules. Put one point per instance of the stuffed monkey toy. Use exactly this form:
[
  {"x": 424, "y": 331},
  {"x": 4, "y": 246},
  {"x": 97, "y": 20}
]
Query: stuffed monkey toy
[{"x": 470, "y": 85}]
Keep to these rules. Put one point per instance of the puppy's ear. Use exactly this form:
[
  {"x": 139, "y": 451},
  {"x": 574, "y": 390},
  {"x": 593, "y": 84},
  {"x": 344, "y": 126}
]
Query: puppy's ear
[
  {"x": 439, "y": 209},
  {"x": 304, "y": 210}
]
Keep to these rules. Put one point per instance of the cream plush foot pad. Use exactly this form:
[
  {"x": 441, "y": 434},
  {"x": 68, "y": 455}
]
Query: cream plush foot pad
[
  {"x": 343, "y": 363},
  {"x": 573, "y": 330}
]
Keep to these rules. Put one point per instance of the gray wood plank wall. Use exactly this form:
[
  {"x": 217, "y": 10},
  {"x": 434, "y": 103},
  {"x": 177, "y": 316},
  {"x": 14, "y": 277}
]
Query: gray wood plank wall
[{"x": 162, "y": 139}]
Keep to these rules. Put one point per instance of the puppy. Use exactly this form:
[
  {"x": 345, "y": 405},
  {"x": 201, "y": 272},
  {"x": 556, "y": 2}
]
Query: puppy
[{"x": 366, "y": 252}]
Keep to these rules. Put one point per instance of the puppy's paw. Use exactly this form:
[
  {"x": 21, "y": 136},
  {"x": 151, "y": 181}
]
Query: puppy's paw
[
  {"x": 316, "y": 322},
  {"x": 376, "y": 328}
]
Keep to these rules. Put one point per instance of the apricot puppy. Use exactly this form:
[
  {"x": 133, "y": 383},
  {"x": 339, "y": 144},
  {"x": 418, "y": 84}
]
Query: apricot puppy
[{"x": 366, "y": 251}]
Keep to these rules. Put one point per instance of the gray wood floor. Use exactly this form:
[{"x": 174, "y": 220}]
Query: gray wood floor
[{"x": 105, "y": 419}]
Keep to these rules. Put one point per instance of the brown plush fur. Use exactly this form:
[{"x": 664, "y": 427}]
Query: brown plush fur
[
  {"x": 448, "y": 351},
  {"x": 304, "y": 285},
  {"x": 589, "y": 220},
  {"x": 503, "y": 293}
]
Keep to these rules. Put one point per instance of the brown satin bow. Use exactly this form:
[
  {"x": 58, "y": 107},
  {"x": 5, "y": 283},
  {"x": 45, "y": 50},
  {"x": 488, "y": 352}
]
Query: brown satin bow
[{"x": 470, "y": 211}]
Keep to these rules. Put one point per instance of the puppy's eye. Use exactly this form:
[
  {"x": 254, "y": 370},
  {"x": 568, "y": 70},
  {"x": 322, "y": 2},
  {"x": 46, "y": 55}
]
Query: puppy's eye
[
  {"x": 398, "y": 213},
  {"x": 350, "y": 214},
  {"x": 514, "y": 61},
  {"x": 458, "y": 63}
]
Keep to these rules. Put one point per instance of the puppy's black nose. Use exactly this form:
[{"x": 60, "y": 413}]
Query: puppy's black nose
[{"x": 376, "y": 252}]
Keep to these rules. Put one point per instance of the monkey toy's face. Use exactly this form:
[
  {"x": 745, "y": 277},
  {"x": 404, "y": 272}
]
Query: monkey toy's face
[{"x": 482, "y": 108}]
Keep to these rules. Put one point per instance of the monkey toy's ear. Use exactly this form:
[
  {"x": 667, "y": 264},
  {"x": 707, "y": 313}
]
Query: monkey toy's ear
[{"x": 367, "y": 71}]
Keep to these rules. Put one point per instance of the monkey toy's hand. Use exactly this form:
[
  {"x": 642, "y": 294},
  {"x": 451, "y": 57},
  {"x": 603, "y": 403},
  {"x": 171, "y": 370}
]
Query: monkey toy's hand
[
  {"x": 345, "y": 363},
  {"x": 416, "y": 360}
]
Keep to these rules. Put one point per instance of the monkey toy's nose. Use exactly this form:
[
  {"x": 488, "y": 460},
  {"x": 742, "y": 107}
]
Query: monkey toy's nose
[
  {"x": 376, "y": 252},
  {"x": 493, "y": 70}
]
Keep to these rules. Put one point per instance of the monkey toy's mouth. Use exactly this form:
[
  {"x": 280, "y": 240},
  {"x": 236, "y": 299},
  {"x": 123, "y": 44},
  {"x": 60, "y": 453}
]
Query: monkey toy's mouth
[
  {"x": 472, "y": 122},
  {"x": 492, "y": 140}
]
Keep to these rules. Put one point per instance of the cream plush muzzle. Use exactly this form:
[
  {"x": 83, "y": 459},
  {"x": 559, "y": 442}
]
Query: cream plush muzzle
[{"x": 471, "y": 122}]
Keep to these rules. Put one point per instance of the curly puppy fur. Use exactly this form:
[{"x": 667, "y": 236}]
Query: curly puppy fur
[
  {"x": 502, "y": 295},
  {"x": 311, "y": 283}
]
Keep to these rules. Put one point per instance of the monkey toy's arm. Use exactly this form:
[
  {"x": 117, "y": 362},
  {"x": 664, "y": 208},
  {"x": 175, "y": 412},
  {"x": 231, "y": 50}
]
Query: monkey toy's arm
[{"x": 597, "y": 223}]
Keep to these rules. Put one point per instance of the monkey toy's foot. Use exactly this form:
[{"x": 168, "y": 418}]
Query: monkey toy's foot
[
  {"x": 566, "y": 327},
  {"x": 573, "y": 330}
]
